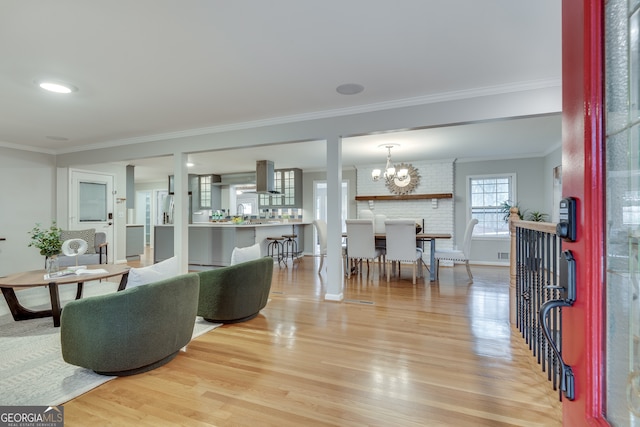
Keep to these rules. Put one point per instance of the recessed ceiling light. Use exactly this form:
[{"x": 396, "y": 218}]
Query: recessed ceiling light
[
  {"x": 57, "y": 138},
  {"x": 349, "y": 89},
  {"x": 190, "y": 165},
  {"x": 57, "y": 87}
]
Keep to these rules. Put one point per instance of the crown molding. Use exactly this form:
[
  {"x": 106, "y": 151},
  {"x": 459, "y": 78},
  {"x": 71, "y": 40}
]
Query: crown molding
[
  {"x": 380, "y": 106},
  {"x": 27, "y": 148}
]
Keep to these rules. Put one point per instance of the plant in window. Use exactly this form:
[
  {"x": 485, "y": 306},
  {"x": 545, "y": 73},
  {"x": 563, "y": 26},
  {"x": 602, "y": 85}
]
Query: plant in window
[
  {"x": 505, "y": 208},
  {"x": 537, "y": 216},
  {"x": 47, "y": 240}
]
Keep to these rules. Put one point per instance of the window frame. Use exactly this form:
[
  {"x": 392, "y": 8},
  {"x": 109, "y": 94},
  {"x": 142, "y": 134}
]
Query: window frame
[{"x": 512, "y": 198}]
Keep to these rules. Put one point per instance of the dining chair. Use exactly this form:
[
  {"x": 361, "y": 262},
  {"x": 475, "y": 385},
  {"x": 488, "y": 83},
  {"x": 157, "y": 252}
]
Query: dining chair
[
  {"x": 401, "y": 245},
  {"x": 379, "y": 223},
  {"x": 378, "y": 219},
  {"x": 361, "y": 243},
  {"x": 321, "y": 230},
  {"x": 457, "y": 255}
]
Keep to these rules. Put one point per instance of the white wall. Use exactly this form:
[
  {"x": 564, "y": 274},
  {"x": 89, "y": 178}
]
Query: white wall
[
  {"x": 534, "y": 190},
  {"x": 435, "y": 177},
  {"x": 550, "y": 162},
  {"x": 28, "y": 196}
]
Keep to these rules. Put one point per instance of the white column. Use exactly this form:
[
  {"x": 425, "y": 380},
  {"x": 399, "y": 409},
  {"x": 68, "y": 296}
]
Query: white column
[
  {"x": 181, "y": 211},
  {"x": 335, "y": 277}
]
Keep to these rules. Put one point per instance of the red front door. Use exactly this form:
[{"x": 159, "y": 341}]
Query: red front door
[
  {"x": 582, "y": 142},
  {"x": 601, "y": 169}
]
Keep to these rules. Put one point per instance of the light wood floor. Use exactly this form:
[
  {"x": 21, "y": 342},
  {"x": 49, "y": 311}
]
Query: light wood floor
[{"x": 389, "y": 355}]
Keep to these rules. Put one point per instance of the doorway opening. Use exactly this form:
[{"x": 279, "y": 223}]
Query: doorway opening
[{"x": 320, "y": 207}]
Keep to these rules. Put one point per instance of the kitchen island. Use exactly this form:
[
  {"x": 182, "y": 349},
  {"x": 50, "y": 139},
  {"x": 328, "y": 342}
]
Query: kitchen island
[{"x": 211, "y": 243}]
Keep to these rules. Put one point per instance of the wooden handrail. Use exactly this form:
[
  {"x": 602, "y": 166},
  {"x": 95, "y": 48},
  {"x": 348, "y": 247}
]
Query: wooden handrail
[{"x": 545, "y": 227}]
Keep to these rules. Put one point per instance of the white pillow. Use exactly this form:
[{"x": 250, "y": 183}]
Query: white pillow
[
  {"x": 245, "y": 254},
  {"x": 162, "y": 270}
]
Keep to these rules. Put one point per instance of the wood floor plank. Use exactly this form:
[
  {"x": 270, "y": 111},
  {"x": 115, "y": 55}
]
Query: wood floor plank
[{"x": 392, "y": 354}]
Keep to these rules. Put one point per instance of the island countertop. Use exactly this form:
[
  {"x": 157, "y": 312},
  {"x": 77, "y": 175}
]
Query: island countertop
[
  {"x": 211, "y": 243},
  {"x": 244, "y": 224}
]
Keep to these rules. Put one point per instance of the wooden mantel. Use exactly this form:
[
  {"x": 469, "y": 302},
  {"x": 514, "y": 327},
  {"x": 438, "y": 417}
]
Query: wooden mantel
[{"x": 407, "y": 196}]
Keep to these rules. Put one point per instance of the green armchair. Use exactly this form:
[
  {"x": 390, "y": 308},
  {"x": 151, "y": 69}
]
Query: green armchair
[
  {"x": 235, "y": 293},
  {"x": 132, "y": 331}
]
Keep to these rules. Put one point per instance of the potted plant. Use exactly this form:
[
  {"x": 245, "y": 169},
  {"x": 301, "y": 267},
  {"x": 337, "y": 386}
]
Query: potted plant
[
  {"x": 537, "y": 216},
  {"x": 48, "y": 241},
  {"x": 505, "y": 208}
]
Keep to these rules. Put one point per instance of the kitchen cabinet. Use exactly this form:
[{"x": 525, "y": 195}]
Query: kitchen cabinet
[
  {"x": 192, "y": 183},
  {"x": 209, "y": 195},
  {"x": 288, "y": 182},
  {"x": 135, "y": 241},
  {"x": 206, "y": 195}
]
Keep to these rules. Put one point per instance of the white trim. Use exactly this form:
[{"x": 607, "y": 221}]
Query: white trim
[
  {"x": 334, "y": 297},
  {"x": 489, "y": 263}
]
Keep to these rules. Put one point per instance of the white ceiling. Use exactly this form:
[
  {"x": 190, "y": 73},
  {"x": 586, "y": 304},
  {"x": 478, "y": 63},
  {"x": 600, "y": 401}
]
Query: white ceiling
[{"x": 146, "y": 68}]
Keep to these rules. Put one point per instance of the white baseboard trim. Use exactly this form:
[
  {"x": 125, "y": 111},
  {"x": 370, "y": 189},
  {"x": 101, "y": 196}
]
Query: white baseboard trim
[
  {"x": 490, "y": 263},
  {"x": 449, "y": 264},
  {"x": 334, "y": 297}
]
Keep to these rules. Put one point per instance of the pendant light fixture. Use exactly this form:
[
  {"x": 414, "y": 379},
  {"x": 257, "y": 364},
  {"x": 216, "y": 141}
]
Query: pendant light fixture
[{"x": 389, "y": 173}]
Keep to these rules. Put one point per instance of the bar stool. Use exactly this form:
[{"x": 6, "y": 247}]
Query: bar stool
[
  {"x": 275, "y": 248},
  {"x": 289, "y": 247}
]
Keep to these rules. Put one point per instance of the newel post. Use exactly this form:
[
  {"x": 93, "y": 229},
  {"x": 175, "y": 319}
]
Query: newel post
[{"x": 513, "y": 216}]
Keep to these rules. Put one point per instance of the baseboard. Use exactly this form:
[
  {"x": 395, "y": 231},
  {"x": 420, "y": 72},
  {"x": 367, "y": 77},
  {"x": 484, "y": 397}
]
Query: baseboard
[
  {"x": 449, "y": 264},
  {"x": 334, "y": 297},
  {"x": 490, "y": 263}
]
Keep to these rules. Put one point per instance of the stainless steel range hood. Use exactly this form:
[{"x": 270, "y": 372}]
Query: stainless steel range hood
[{"x": 265, "y": 177}]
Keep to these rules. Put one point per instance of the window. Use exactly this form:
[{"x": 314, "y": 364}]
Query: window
[
  {"x": 487, "y": 194},
  {"x": 93, "y": 202}
]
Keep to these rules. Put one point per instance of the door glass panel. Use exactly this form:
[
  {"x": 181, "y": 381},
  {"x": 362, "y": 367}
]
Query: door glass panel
[
  {"x": 92, "y": 199},
  {"x": 622, "y": 89}
]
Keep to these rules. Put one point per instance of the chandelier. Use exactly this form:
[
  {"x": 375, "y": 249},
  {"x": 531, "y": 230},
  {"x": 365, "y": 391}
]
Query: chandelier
[{"x": 390, "y": 173}]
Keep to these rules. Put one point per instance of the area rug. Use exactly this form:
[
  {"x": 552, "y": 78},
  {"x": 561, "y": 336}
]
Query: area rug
[{"x": 32, "y": 371}]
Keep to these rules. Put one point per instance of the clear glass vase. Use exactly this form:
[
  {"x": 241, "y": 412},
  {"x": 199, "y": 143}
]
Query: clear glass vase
[{"x": 52, "y": 265}]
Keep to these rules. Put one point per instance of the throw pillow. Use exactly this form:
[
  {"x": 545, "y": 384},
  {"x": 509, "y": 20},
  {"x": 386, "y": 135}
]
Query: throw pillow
[
  {"x": 88, "y": 235},
  {"x": 153, "y": 273},
  {"x": 245, "y": 254}
]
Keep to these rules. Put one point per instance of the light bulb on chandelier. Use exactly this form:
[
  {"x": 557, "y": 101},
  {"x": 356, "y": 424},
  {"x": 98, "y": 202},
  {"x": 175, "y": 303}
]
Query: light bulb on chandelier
[{"x": 390, "y": 171}]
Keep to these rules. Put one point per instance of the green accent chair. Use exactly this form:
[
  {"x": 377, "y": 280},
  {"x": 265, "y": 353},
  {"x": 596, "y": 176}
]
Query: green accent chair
[
  {"x": 132, "y": 331},
  {"x": 236, "y": 293}
]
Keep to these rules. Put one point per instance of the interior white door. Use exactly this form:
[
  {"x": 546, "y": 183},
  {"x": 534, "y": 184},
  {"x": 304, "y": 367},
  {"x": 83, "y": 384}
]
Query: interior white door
[{"x": 91, "y": 204}]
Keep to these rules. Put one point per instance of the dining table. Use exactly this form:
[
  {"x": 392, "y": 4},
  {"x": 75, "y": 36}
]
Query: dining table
[{"x": 421, "y": 238}]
